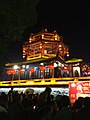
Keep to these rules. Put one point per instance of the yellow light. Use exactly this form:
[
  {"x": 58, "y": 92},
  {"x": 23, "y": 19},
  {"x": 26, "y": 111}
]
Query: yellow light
[
  {"x": 45, "y": 51},
  {"x": 23, "y": 56},
  {"x": 42, "y": 36},
  {"x": 40, "y": 46},
  {"x": 55, "y": 37},
  {"x": 41, "y": 64},
  {"x": 60, "y": 45},
  {"x": 30, "y": 39},
  {"x": 67, "y": 54},
  {"x": 74, "y": 60},
  {"x": 30, "y": 82}
]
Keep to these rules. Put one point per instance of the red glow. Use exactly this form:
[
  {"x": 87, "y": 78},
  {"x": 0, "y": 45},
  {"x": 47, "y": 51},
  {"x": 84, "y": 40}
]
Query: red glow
[
  {"x": 78, "y": 89},
  {"x": 32, "y": 69},
  {"x": 51, "y": 67},
  {"x": 65, "y": 68},
  {"x": 42, "y": 67},
  {"x": 24, "y": 48},
  {"x": 73, "y": 92},
  {"x": 22, "y": 70},
  {"x": 10, "y": 72}
]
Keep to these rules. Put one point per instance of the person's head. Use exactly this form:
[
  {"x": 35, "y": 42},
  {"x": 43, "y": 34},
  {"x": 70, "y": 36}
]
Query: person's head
[
  {"x": 87, "y": 102},
  {"x": 48, "y": 89},
  {"x": 65, "y": 101}
]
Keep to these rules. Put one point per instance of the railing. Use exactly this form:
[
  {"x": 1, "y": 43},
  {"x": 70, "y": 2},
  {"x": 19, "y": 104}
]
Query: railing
[{"x": 43, "y": 82}]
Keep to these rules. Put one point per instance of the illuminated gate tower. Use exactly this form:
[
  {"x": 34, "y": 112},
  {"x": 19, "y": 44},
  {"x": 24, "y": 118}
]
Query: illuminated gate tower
[
  {"x": 44, "y": 45},
  {"x": 44, "y": 56},
  {"x": 46, "y": 51}
]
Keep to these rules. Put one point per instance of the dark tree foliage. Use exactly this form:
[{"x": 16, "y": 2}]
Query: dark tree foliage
[{"x": 15, "y": 17}]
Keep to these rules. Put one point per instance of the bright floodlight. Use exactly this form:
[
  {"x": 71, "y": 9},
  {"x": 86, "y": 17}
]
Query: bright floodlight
[{"x": 15, "y": 67}]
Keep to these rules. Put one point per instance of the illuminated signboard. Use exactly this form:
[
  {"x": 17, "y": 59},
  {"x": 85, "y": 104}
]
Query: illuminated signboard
[{"x": 78, "y": 89}]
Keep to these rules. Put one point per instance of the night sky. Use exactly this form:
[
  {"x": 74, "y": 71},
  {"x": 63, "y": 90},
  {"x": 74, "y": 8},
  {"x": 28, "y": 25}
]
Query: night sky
[{"x": 70, "y": 19}]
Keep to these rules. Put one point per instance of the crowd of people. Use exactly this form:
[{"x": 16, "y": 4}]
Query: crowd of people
[{"x": 43, "y": 106}]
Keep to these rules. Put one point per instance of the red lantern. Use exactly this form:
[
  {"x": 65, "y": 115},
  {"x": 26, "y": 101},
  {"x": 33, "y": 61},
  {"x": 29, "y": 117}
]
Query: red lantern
[
  {"x": 10, "y": 72},
  {"x": 13, "y": 71},
  {"x": 22, "y": 70},
  {"x": 42, "y": 68},
  {"x": 51, "y": 67},
  {"x": 32, "y": 69}
]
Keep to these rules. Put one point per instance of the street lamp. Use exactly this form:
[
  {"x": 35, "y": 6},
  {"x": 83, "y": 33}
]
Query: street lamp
[
  {"x": 16, "y": 68},
  {"x": 42, "y": 68}
]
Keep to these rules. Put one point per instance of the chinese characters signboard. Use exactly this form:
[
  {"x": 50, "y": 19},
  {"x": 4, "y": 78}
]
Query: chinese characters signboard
[{"x": 78, "y": 89}]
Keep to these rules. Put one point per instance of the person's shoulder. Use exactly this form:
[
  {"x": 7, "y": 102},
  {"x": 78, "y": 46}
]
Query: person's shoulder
[{"x": 2, "y": 109}]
